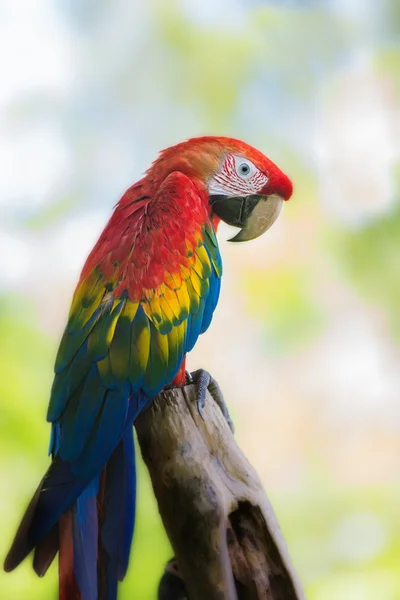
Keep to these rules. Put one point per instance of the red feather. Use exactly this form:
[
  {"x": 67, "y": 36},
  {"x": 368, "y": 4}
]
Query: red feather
[
  {"x": 68, "y": 586},
  {"x": 156, "y": 235}
]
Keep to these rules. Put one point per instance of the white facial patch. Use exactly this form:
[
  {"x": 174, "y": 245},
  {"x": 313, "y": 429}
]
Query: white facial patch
[{"x": 237, "y": 176}]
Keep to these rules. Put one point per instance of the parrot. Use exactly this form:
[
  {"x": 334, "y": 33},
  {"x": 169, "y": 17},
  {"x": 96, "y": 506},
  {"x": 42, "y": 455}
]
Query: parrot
[
  {"x": 147, "y": 290},
  {"x": 172, "y": 586}
]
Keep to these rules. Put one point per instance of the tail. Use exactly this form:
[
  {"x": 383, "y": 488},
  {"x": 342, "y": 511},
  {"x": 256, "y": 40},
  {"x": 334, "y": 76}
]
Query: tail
[
  {"x": 90, "y": 524},
  {"x": 117, "y": 507}
]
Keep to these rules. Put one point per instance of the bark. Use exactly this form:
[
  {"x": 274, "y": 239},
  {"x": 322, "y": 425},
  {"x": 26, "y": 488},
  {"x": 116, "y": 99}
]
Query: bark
[{"x": 221, "y": 525}]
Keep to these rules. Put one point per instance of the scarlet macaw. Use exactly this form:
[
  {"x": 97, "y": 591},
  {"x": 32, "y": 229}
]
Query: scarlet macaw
[{"x": 147, "y": 290}]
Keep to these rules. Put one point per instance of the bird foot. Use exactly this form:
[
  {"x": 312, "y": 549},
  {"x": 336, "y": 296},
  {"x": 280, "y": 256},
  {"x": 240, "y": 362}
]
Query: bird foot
[
  {"x": 204, "y": 381},
  {"x": 172, "y": 586}
]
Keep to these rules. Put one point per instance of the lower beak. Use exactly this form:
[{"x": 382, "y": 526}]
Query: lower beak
[{"x": 254, "y": 214}]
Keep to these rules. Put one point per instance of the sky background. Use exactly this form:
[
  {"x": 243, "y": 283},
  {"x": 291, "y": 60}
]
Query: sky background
[{"x": 305, "y": 342}]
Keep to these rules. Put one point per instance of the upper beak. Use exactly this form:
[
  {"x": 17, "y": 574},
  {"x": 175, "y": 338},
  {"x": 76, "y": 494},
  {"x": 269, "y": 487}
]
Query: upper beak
[{"x": 254, "y": 214}]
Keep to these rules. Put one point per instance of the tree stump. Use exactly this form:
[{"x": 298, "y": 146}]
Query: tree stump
[{"x": 221, "y": 525}]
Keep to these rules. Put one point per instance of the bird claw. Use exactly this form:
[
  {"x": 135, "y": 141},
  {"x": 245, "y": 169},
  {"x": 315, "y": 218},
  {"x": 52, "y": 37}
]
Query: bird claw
[
  {"x": 204, "y": 381},
  {"x": 172, "y": 585}
]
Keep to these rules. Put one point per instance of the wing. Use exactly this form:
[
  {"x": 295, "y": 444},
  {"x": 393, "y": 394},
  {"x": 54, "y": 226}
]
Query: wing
[{"x": 130, "y": 326}]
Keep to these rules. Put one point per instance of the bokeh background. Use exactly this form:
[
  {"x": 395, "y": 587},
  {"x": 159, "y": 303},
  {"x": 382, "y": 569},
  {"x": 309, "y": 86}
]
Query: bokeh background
[{"x": 306, "y": 340}]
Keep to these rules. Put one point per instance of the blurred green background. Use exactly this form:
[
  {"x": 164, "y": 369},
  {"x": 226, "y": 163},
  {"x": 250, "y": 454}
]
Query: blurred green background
[{"x": 306, "y": 340}]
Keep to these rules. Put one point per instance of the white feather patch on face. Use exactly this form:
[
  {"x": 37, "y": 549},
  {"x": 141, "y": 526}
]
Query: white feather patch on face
[{"x": 237, "y": 176}]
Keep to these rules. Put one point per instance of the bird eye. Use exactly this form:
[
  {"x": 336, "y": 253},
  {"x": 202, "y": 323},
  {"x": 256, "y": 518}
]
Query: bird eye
[{"x": 244, "y": 169}]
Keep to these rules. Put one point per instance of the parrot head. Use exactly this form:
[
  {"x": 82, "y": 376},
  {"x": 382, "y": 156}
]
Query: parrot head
[{"x": 244, "y": 187}]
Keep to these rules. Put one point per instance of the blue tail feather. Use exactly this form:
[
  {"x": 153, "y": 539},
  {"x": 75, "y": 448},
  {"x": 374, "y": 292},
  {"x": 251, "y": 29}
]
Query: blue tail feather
[
  {"x": 57, "y": 492},
  {"x": 85, "y": 535},
  {"x": 102, "y": 511},
  {"x": 119, "y": 506}
]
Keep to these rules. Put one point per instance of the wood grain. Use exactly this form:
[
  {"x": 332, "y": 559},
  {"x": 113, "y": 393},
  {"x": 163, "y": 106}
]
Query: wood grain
[{"x": 220, "y": 523}]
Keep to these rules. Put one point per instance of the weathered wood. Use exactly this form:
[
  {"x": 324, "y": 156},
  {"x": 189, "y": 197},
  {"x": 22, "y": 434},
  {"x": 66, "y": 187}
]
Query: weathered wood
[{"x": 220, "y": 523}]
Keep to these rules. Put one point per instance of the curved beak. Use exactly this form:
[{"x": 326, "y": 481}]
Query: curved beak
[{"x": 254, "y": 214}]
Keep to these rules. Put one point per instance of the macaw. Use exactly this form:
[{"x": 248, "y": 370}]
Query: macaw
[
  {"x": 172, "y": 586},
  {"x": 146, "y": 292}
]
